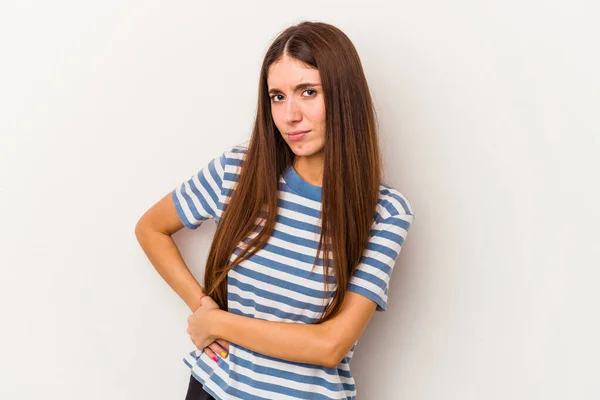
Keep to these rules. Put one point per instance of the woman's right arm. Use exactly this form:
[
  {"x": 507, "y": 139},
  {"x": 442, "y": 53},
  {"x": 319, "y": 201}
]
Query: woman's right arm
[{"x": 153, "y": 231}]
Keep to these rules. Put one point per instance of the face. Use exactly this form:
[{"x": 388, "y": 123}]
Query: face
[{"x": 298, "y": 105}]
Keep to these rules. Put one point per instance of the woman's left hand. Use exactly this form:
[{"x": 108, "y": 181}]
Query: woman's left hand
[{"x": 199, "y": 323}]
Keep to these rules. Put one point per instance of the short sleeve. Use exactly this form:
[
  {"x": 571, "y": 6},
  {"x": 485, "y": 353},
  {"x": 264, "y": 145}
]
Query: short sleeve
[
  {"x": 372, "y": 275},
  {"x": 199, "y": 198}
]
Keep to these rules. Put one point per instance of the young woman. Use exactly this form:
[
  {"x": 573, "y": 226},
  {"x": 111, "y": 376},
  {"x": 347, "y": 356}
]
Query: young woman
[{"x": 307, "y": 232}]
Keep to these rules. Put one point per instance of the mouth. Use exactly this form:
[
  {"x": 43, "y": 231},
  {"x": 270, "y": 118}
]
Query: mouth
[{"x": 297, "y": 135}]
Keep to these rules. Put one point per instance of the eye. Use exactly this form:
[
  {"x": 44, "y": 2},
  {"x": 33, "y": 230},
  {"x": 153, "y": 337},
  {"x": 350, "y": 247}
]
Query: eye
[{"x": 273, "y": 98}]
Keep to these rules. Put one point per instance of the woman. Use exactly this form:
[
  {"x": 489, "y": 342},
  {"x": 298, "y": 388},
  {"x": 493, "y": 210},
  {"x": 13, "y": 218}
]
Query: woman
[{"x": 307, "y": 232}]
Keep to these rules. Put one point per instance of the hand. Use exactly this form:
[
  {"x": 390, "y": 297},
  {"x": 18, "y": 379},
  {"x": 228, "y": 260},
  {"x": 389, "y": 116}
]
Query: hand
[
  {"x": 199, "y": 328},
  {"x": 218, "y": 347}
]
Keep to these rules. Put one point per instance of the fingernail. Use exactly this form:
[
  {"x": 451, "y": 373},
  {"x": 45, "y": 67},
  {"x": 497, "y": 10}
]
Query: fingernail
[
  {"x": 215, "y": 359},
  {"x": 224, "y": 354}
]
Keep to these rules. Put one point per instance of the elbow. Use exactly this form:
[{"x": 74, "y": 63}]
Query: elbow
[
  {"x": 142, "y": 229},
  {"x": 331, "y": 348},
  {"x": 332, "y": 362},
  {"x": 139, "y": 229},
  {"x": 334, "y": 356}
]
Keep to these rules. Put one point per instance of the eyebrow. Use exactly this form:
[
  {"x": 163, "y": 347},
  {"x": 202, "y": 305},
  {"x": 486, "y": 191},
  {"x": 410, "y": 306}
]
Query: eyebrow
[{"x": 299, "y": 86}]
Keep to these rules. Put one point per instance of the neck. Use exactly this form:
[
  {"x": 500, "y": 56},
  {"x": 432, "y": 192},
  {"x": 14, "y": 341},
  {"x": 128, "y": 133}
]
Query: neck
[{"x": 310, "y": 168}]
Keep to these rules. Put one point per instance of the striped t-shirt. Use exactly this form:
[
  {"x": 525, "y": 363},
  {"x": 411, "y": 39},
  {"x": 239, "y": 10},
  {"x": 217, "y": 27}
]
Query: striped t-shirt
[{"x": 276, "y": 283}]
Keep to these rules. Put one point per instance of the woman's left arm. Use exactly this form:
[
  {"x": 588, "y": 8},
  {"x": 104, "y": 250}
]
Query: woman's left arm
[{"x": 322, "y": 344}]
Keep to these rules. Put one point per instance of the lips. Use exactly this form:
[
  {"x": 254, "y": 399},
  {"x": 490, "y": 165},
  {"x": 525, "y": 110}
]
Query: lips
[{"x": 297, "y": 135}]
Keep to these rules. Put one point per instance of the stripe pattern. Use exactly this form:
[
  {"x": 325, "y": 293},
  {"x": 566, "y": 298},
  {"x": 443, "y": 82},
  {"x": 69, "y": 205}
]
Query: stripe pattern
[{"x": 279, "y": 283}]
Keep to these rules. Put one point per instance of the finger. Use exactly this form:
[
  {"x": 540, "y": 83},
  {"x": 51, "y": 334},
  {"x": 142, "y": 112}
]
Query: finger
[
  {"x": 210, "y": 353},
  {"x": 224, "y": 344},
  {"x": 218, "y": 349}
]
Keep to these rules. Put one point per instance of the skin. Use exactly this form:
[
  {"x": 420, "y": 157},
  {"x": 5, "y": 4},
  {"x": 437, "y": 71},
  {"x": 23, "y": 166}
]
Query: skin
[
  {"x": 323, "y": 344},
  {"x": 210, "y": 328},
  {"x": 299, "y": 109}
]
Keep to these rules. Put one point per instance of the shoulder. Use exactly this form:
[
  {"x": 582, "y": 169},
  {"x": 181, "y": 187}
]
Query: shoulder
[
  {"x": 234, "y": 156},
  {"x": 391, "y": 203},
  {"x": 231, "y": 161}
]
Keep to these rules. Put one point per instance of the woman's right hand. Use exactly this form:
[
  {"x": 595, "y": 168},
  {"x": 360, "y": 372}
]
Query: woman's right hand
[{"x": 217, "y": 348}]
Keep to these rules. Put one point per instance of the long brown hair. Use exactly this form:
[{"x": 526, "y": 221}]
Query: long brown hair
[{"x": 352, "y": 167}]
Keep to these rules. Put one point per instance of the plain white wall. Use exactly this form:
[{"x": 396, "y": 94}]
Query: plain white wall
[{"x": 489, "y": 117}]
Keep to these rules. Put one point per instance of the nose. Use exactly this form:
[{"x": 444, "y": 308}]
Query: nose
[{"x": 293, "y": 113}]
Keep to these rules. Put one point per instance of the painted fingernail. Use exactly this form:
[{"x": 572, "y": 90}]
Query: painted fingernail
[
  {"x": 224, "y": 354},
  {"x": 215, "y": 359}
]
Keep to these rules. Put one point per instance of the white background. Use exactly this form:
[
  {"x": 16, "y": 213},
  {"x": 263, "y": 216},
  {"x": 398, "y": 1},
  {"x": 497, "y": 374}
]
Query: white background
[{"x": 489, "y": 117}]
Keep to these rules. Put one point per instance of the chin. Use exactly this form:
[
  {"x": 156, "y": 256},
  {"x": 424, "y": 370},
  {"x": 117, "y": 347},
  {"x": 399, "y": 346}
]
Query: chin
[
  {"x": 309, "y": 146},
  {"x": 305, "y": 151}
]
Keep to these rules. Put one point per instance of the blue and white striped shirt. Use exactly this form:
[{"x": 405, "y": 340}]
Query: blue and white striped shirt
[{"x": 276, "y": 284}]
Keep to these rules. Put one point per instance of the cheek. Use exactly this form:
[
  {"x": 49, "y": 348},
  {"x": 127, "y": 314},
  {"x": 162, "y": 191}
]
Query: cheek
[
  {"x": 317, "y": 115},
  {"x": 277, "y": 119}
]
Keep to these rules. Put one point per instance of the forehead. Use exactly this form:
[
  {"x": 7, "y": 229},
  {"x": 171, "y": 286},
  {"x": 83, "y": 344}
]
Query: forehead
[{"x": 288, "y": 72}]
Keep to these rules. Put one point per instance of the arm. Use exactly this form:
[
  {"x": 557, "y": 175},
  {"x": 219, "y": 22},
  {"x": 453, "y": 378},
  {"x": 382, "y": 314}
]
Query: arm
[
  {"x": 326, "y": 343},
  {"x": 322, "y": 344},
  {"x": 189, "y": 204},
  {"x": 153, "y": 232}
]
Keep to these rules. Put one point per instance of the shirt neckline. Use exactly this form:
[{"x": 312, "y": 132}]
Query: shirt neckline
[{"x": 301, "y": 186}]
